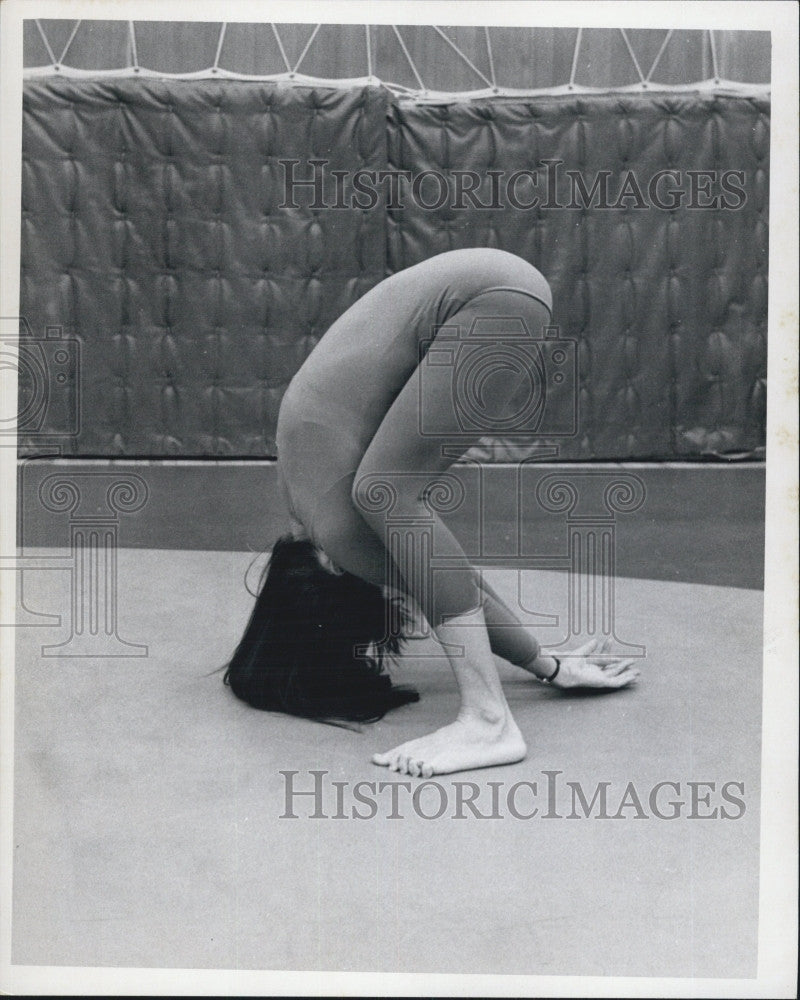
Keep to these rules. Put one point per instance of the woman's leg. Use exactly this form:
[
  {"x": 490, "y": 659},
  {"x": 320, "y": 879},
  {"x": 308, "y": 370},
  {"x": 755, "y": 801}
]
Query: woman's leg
[
  {"x": 388, "y": 491},
  {"x": 353, "y": 546},
  {"x": 345, "y": 536}
]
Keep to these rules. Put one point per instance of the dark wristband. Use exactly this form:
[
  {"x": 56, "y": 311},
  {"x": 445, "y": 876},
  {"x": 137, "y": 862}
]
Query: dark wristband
[{"x": 552, "y": 676}]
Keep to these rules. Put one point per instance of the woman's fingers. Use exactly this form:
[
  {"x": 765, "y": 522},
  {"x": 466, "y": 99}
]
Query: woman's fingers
[
  {"x": 616, "y": 668},
  {"x": 587, "y": 648},
  {"x": 616, "y": 675},
  {"x": 626, "y": 676},
  {"x": 605, "y": 661},
  {"x": 596, "y": 671}
]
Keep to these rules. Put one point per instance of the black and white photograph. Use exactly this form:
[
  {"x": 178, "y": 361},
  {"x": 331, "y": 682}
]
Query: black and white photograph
[{"x": 399, "y": 498}]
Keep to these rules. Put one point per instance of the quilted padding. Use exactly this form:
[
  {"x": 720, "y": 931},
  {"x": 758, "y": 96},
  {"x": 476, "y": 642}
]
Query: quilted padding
[
  {"x": 668, "y": 306},
  {"x": 153, "y": 233}
]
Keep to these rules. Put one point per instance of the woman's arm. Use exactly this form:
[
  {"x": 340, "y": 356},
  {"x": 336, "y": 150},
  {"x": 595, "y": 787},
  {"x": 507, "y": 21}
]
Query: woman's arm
[{"x": 587, "y": 666}]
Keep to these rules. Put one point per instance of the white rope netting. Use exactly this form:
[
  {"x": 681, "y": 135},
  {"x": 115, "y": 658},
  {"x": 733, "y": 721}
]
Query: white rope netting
[{"x": 486, "y": 86}]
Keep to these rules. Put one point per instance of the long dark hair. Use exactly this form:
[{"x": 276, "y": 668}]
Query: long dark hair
[{"x": 317, "y": 642}]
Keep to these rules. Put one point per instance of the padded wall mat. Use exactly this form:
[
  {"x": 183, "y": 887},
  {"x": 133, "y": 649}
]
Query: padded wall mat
[
  {"x": 155, "y": 246},
  {"x": 667, "y": 305},
  {"x": 153, "y": 234}
]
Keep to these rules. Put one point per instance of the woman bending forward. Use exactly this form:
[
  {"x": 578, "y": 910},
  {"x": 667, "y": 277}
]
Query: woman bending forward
[{"x": 367, "y": 417}]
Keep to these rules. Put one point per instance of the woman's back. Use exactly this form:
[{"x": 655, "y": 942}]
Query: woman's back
[{"x": 370, "y": 352}]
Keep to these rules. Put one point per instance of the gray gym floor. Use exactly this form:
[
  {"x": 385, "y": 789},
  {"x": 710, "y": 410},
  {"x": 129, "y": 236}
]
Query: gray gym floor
[{"x": 148, "y": 827}]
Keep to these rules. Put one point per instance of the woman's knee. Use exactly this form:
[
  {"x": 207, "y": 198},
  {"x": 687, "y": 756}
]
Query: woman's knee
[
  {"x": 382, "y": 497},
  {"x": 373, "y": 495}
]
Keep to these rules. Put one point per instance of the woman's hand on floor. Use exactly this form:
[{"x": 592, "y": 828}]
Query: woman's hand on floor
[{"x": 589, "y": 666}]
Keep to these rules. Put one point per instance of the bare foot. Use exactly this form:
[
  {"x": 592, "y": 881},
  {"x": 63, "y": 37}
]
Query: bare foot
[{"x": 465, "y": 744}]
